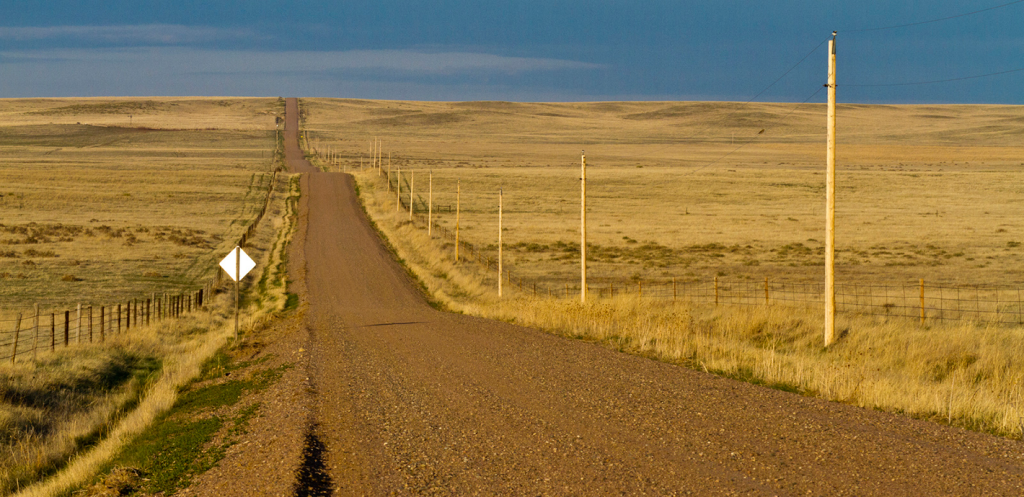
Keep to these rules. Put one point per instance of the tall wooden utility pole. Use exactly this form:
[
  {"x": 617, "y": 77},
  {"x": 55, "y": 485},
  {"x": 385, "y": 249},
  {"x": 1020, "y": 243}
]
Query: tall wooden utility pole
[
  {"x": 499, "y": 242},
  {"x": 430, "y": 204},
  {"x": 583, "y": 227},
  {"x": 412, "y": 188},
  {"x": 458, "y": 197},
  {"x": 830, "y": 201}
]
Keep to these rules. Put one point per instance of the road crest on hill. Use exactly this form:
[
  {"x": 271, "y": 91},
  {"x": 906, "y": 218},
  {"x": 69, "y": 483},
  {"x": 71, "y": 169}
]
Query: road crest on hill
[{"x": 410, "y": 400}]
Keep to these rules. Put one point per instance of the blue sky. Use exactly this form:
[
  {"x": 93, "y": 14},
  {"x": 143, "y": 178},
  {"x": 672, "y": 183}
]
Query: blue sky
[{"x": 522, "y": 51}]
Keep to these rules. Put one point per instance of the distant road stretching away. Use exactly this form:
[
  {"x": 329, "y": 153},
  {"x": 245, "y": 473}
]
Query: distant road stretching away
[{"x": 412, "y": 400}]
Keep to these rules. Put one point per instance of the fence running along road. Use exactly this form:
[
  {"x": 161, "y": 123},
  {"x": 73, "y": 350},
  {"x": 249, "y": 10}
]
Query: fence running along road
[
  {"x": 404, "y": 398},
  {"x": 36, "y": 331},
  {"x": 920, "y": 300}
]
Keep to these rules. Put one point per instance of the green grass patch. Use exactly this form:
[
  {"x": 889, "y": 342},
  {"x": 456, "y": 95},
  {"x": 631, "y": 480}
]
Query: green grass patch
[
  {"x": 171, "y": 452},
  {"x": 292, "y": 302},
  {"x": 181, "y": 444}
]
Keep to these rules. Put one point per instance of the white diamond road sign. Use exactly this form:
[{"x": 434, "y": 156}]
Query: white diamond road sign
[{"x": 245, "y": 264}]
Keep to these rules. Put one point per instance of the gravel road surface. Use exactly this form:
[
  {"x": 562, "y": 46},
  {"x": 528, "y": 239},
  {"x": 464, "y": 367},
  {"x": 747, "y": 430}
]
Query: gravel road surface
[{"x": 410, "y": 400}]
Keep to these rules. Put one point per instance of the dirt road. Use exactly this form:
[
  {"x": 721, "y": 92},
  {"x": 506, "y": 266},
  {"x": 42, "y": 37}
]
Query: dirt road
[{"x": 410, "y": 400}]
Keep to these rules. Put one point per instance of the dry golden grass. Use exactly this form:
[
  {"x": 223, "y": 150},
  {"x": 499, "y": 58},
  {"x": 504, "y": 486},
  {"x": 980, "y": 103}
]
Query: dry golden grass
[
  {"x": 127, "y": 212},
  {"x": 966, "y": 374},
  {"x": 194, "y": 339},
  {"x": 180, "y": 347},
  {"x": 924, "y": 192}
]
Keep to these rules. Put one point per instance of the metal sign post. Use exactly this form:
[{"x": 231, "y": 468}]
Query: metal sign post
[{"x": 237, "y": 264}]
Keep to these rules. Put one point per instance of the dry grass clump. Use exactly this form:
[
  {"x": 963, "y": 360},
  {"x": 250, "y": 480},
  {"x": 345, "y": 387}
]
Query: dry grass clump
[
  {"x": 965, "y": 374},
  {"x": 65, "y": 402}
]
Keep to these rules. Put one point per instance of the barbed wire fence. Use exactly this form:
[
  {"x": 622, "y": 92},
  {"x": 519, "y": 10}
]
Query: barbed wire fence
[
  {"x": 921, "y": 301},
  {"x": 30, "y": 333}
]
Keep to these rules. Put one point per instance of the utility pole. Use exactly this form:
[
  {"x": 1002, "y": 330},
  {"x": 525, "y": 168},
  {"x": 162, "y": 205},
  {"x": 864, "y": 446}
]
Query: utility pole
[
  {"x": 412, "y": 188},
  {"x": 583, "y": 227},
  {"x": 830, "y": 201},
  {"x": 430, "y": 204},
  {"x": 458, "y": 197},
  {"x": 499, "y": 242},
  {"x": 398, "y": 199}
]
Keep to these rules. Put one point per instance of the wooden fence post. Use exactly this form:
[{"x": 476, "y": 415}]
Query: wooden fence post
[
  {"x": 17, "y": 330},
  {"x": 53, "y": 331},
  {"x": 67, "y": 328},
  {"x": 103, "y": 317},
  {"x": 716, "y": 290},
  {"x": 922, "y": 301},
  {"x": 78, "y": 331},
  {"x": 35, "y": 324},
  {"x": 765, "y": 290},
  {"x": 458, "y": 200},
  {"x": 118, "y": 319},
  {"x": 639, "y": 288},
  {"x": 673, "y": 289},
  {"x": 90, "y": 324},
  {"x": 148, "y": 302}
]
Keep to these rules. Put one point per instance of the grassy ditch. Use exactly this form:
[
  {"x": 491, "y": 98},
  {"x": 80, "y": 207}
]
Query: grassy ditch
[
  {"x": 963, "y": 374},
  {"x": 124, "y": 403},
  {"x": 194, "y": 434}
]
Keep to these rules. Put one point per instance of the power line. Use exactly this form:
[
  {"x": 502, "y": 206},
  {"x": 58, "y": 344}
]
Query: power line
[
  {"x": 933, "y": 20},
  {"x": 755, "y": 137},
  {"x": 734, "y": 111},
  {"x": 801, "y": 61},
  {"x": 939, "y": 80}
]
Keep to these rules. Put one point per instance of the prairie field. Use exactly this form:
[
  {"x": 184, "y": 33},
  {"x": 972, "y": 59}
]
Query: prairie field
[
  {"x": 694, "y": 191},
  {"x": 94, "y": 209},
  {"x": 98, "y": 210}
]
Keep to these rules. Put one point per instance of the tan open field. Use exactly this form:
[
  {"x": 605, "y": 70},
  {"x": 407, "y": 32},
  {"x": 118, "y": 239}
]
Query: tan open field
[
  {"x": 691, "y": 190},
  {"x": 924, "y": 192},
  {"x": 96, "y": 211},
  {"x": 125, "y": 211}
]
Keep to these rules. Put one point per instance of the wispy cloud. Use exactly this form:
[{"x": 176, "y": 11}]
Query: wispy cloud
[
  {"x": 445, "y": 62},
  {"x": 208, "y": 61},
  {"x": 136, "y": 34},
  {"x": 178, "y": 70}
]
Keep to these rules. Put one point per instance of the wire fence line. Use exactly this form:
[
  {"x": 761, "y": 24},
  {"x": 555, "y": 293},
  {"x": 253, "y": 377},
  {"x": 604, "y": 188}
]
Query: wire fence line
[
  {"x": 920, "y": 300},
  {"x": 40, "y": 330}
]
